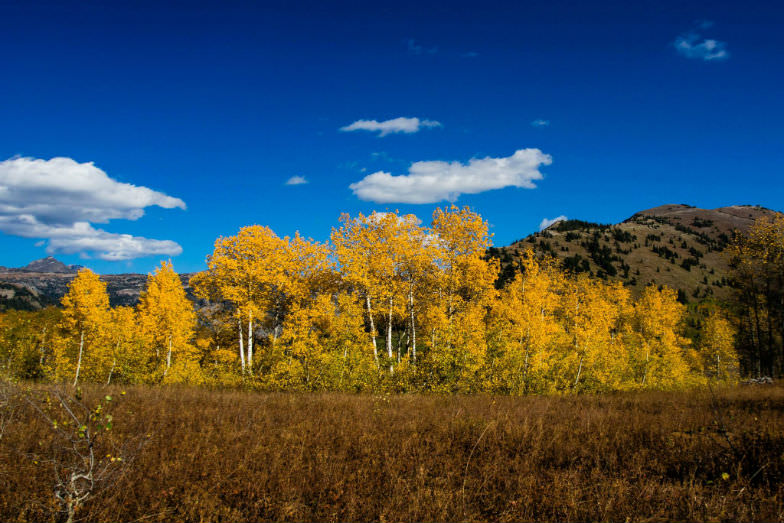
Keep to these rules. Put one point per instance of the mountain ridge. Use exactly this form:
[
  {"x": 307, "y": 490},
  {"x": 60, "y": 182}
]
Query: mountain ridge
[
  {"x": 678, "y": 245},
  {"x": 28, "y": 290},
  {"x": 49, "y": 264}
]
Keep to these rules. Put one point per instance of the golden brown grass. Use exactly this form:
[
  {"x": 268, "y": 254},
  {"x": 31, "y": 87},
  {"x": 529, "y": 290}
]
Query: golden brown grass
[{"x": 238, "y": 456}]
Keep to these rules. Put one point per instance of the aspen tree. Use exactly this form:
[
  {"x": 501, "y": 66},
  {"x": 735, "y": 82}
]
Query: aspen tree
[
  {"x": 417, "y": 272},
  {"x": 717, "y": 340},
  {"x": 167, "y": 318},
  {"x": 365, "y": 248},
  {"x": 246, "y": 270},
  {"x": 125, "y": 346},
  {"x": 85, "y": 311},
  {"x": 526, "y": 324},
  {"x": 465, "y": 290},
  {"x": 589, "y": 319},
  {"x": 659, "y": 356}
]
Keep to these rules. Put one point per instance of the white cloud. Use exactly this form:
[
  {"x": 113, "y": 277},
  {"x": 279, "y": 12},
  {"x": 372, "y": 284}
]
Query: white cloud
[
  {"x": 296, "y": 180},
  {"x": 540, "y": 123},
  {"x": 470, "y": 54},
  {"x": 83, "y": 238},
  {"x": 691, "y": 45},
  {"x": 546, "y": 222},
  {"x": 395, "y": 125},
  {"x": 434, "y": 181},
  {"x": 58, "y": 199}
]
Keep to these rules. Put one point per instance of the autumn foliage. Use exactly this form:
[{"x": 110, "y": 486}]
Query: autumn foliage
[{"x": 386, "y": 304}]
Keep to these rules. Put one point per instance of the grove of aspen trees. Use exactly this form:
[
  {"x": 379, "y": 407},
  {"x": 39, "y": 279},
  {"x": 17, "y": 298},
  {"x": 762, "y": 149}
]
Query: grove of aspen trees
[{"x": 387, "y": 304}]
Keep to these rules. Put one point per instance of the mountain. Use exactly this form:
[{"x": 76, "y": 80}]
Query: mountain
[
  {"x": 675, "y": 245},
  {"x": 50, "y": 265},
  {"x": 44, "y": 282}
]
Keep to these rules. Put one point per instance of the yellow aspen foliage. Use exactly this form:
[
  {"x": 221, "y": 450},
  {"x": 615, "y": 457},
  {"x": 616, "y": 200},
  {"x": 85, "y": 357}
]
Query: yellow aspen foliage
[
  {"x": 717, "y": 341},
  {"x": 167, "y": 321},
  {"x": 610, "y": 369},
  {"x": 309, "y": 269},
  {"x": 85, "y": 316},
  {"x": 393, "y": 305},
  {"x": 526, "y": 328},
  {"x": 657, "y": 348},
  {"x": 593, "y": 356},
  {"x": 126, "y": 348},
  {"x": 27, "y": 340},
  {"x": 323, "y": 346},
  {"x": 463, "y": 237},
  {"x": 248, "y": 270},
  {"x": 371, "y": 251},
  {"x": 419, "y": 275},
  {"x": 464, "y": 290}
]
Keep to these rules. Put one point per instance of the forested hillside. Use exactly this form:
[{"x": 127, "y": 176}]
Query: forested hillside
[{"x": 680, "y": 246}]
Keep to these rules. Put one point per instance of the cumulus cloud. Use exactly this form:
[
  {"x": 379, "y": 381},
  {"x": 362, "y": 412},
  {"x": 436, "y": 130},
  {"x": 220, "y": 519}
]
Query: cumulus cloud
[
  {"x": 395, "y": 125},
  {"x": 692, "y": 45},
  {"x": 434, "y": 181},
  {"x": 546, "y": 222},
  {"x": 540, "y": 123},
  {"x": 296, "y": 180},
  {"x": 59, "y": 199}
]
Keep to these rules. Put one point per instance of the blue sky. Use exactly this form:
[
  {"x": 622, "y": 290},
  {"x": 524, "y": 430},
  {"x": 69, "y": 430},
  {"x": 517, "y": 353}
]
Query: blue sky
[{"x": 612, "y": 107}]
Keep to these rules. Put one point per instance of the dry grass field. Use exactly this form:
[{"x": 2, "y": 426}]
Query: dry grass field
[{"x": 188, "y": 454}]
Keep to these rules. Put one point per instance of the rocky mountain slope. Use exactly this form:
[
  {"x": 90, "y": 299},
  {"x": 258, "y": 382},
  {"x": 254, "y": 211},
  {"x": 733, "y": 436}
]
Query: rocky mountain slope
[
  {"x": 676, "y": 245},
  {"x": 27, "y": 289},
  {"x": 49, "y": 265}
]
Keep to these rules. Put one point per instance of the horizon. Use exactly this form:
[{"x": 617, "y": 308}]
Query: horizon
[
  {"x": 141, "y": 132},
  {"x": 543, "y": 226}
]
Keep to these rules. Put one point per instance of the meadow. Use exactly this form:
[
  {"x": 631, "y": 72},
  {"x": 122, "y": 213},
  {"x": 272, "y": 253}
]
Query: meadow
[{"x": 194, "y": 454}]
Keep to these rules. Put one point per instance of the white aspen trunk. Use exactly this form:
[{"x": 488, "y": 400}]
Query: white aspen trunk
[
  {"x": 647, "y": 358},
  {"x": 168, "y": 357},
  {"x": 400, "y": 342},
  {"x": 79, "y": 361},
  {"x": 275, "y": 327},
  {"x": 389, "y": 337},
  {"x": 372, "y": 329},
  {"x": 577, "y": 346},
  {"x": 718, "y": 367},
  {"x": 343, "y": 367},
  {"x": 43, "y": 341},
  {"x": 579, "y": 370},
  {"x": 413, "y": 324},
  {"x": 111, "y": 371},
  {"x": 242, "y": 346},
  {"x": 250, "y": 343}
]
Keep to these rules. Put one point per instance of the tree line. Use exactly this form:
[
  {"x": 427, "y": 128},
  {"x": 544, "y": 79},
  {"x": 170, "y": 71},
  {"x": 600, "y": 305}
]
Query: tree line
[
  {"x": 386, "y": 304},
  {"x": 757, "y": 262}
]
